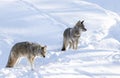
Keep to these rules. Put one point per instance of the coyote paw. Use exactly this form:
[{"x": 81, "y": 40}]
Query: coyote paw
[{"x": 63, "y": 49}]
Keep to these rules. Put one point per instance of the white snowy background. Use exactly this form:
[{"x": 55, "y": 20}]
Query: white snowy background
[{"x": 44, "y": 21}]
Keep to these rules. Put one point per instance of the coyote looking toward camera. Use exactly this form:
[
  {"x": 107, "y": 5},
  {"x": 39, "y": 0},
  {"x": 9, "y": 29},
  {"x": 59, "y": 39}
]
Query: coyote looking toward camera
[
  {"x": 25, "y": 49},
  {"x": 71, "y": 35}
]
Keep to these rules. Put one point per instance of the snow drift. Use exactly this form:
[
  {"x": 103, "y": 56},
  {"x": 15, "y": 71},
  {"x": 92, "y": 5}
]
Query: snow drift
[{"x": 44, "y": 21}]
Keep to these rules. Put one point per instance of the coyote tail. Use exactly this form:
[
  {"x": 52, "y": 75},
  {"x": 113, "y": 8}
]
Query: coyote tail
[{"x": 11, "y": 60}]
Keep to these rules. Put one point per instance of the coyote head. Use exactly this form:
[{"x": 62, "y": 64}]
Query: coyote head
[
  {"x": 79, "y": 25},
  {"x": 43, "y": 51}
]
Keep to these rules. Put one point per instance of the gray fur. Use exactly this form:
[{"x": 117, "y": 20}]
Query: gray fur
[
  {"x": 71, "y": 36},
  {"x": 25, "y": 49}
]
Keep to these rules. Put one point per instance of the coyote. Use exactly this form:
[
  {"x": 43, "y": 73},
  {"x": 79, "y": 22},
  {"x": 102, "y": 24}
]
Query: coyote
[
  {"x": 71, "y": 35},
  {"x": 25, "y": 49}
]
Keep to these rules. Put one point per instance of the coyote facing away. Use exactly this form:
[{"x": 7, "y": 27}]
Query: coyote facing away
[
  {"x": 71, "y": 35},
  {"x": 25, "y": 49}
]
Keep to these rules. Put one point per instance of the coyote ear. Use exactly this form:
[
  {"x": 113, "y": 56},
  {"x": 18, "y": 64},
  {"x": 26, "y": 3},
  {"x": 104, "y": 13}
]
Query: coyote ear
[
  {"x": 44, "y": 47},
  {"x": 77, "y": 24},
  {"x": 82, "y": 22},
  {"x": 79, "y": 21}
]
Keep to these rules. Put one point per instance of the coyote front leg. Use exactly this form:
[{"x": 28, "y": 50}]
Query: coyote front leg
[
  {"x": 76, "y": 44},
  {"x": 31, "y": 60}
]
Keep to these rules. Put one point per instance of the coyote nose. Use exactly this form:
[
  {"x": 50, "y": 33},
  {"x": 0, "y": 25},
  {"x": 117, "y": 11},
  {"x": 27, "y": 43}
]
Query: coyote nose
[{"x": 85, "y": 29}]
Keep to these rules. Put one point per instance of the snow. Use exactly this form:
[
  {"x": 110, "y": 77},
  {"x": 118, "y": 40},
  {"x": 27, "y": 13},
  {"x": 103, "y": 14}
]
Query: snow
[
  {"x": 43, "y": 21},
  {"x": 108, "y": 4}
]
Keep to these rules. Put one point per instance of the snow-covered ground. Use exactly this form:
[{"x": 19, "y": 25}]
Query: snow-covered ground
[
  {"x": 108, "y": 4},
  {"x": 43, "y": 21}
]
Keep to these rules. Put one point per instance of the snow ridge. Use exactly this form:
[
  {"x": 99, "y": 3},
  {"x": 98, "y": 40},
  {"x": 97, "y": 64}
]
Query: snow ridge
[{"x": 44, "y": 21}]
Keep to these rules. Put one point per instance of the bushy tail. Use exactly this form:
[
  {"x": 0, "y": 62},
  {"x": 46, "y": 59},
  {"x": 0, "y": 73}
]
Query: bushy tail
[
  {"x": 64, "y": 45},
  {"x": 11, "y": 60},
  {"x": 63, "y": 49}
]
